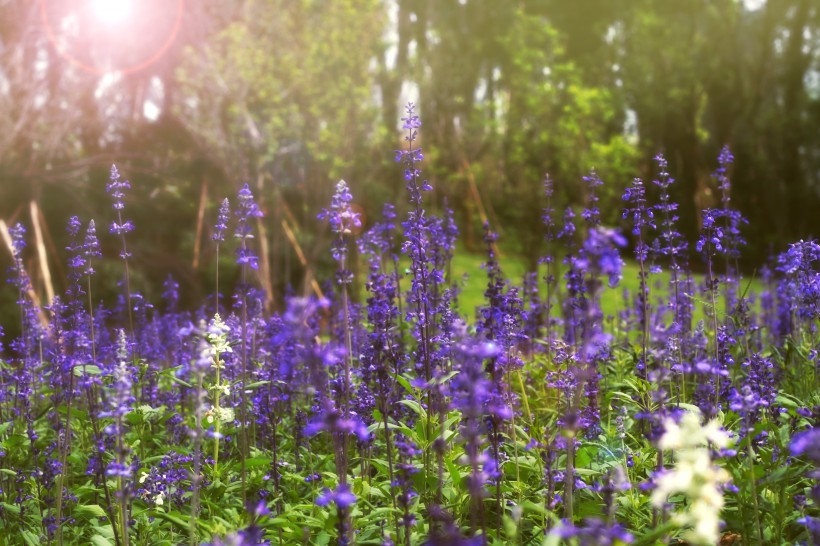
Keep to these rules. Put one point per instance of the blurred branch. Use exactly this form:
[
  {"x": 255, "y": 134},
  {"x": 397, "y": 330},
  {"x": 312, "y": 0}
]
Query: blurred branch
[{"x": 41, "y": 251}]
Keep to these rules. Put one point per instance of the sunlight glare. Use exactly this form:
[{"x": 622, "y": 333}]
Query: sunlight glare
[{"x": 112, "y": 12}]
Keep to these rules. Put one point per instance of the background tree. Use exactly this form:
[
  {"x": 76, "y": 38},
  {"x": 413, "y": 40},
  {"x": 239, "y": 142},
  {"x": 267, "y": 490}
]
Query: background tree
[{"x": 291, "y": 95}]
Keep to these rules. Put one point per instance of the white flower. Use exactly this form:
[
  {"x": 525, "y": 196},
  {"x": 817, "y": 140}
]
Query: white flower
[
  {"x": 715, "y": 434},
  {"x": 694, "y": 475},
  {"x": 673, "y": 437}
]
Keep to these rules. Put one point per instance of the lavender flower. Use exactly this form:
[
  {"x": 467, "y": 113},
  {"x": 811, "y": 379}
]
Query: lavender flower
[
  {"x": 332, "y": 421},
  {"x": 341, "y": 218},
  {"x": 474, "y": 397},
  {"x": 807, "y": 444},
  {"x": 802, "y": 285},
  {"x": 592, "y": 214},
  {"x": 222, "y": 221},
  {"x": 77, "y": 261},
  {"x": 600, "y": 251},
  {"x": 252, "y": 535},
  {"x": 91, "y": 247},
  {"x": 670, "y": 242},
  {"x": 246, "y": 211},
  {"x": 640, "y": 213},
  {"x": 121, "y": 399},
  {"x": 341, "y": 497},
  {"x": 116, "y": 188},
  {"x": 595, "y": 532},
  {"x": 166, "y": 484},
  {"x": 725, "y": 159}
]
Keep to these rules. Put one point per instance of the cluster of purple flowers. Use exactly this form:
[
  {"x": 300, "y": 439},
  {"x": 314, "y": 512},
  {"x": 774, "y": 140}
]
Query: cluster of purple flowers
[{"x": 393, "y": 418}]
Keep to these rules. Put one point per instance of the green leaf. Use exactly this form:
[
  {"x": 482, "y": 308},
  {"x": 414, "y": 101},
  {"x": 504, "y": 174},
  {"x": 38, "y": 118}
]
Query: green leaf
[
  {"x": 255, "y": 462},
  {"x": 416, "y": 407},
  {"x": 689, "y": 407},
  {"x": 404, "y": 382},
  {"x": 530, "y": 506},
  {"x": 105, "y": 530},
  {"x": 445, "y": 378},
  {"x": 172, "y": 517},
  {"x": 510, "y": 528},
  {"x": 90, "y": 510},
  {"x": 176, "y": 379},
  {"x": 30, "y": 538},
  {"x": 451, "y": 421},
  {"x": 455, "y": 475},
  {"x": 87, "y": 369},
  {"x": 99, "y": 540},
  {"x": 653, "y": 535},
  {"x": 11, "y": 508},
  {"x": 15, "y": 441}
]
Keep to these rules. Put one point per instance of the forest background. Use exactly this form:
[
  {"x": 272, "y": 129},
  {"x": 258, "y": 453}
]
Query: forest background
[{"x": 191, "y": 99}]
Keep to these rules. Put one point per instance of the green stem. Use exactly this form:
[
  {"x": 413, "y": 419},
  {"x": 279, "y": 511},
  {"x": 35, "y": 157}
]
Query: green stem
[
  {"x": 712, "y": 290},
  {"x": 244, "y": 380},
  {"x": 217, "y": 411},
  {"x": 63, "y": 458},
  {"x": 197, "y": 476},
  {"x": 753, "y": 487},
  {"x": 123, "y": 504},
  {"x": 569, "y": 478}
]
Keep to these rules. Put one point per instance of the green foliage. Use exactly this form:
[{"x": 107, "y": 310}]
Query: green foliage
[{"x": 286, "y": 80}]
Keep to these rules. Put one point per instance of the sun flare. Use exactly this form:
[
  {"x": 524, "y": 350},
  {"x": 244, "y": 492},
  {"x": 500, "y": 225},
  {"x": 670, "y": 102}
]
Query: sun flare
[{"x": 112, "y": 12}]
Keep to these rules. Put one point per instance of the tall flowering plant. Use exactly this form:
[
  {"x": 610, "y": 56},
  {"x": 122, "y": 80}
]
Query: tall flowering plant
[
  {"x": 247, "y": 210},
  {"x": 343, "y": 220},
  {"x": 120, "y": 228},
  {"x": 695, "y": 476}
]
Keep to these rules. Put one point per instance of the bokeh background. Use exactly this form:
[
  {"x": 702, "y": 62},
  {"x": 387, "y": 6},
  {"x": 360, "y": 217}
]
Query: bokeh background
[{"x": 193, "y": 98}]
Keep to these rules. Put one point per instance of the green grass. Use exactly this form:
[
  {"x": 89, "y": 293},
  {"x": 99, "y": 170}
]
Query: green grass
[{"x": 514, "y": 268}]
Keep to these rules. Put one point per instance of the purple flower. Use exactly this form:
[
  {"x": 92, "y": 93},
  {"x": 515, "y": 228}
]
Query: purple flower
[
  {"x": 342, "y": 497},
  {"x": 412, "y": 156},
  {"x": 642, "y": 216},
  {"x": 595, "y": 532},
  {"x": 167, "y": 482},
  {"x": 222, "y": 221},
  {"x": 116, "y": 188},
  {"x": 342, "y": 220},
  {"x": 246, "y": 211},
  {"x": 91, "y": 247},
  {"x": 725, "y": 159},
  {"x": 801, "y": 288},
  {"x": 592, "y": 214},
  {"x": 77, "y": 261},
  {"x": 331, "y": 420},
  {"x": 121, "y": 399},
  {"x": 340, "y": 216},
  {"x": 412, "y": 121},
  {"x": 253, "y": 535},
  {"x": 669, "y": 242},
  {"x": 746, "y": 401},
  {"x": 601, "y": 251},
  {"x": 807, "y": 444}
]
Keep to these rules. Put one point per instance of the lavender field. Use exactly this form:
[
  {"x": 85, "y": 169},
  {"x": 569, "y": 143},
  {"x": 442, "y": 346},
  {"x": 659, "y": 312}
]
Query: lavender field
[{"x": 394, "y": 418}]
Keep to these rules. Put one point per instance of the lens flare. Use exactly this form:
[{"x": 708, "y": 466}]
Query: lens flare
[{"x": 112, "y": 12}]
